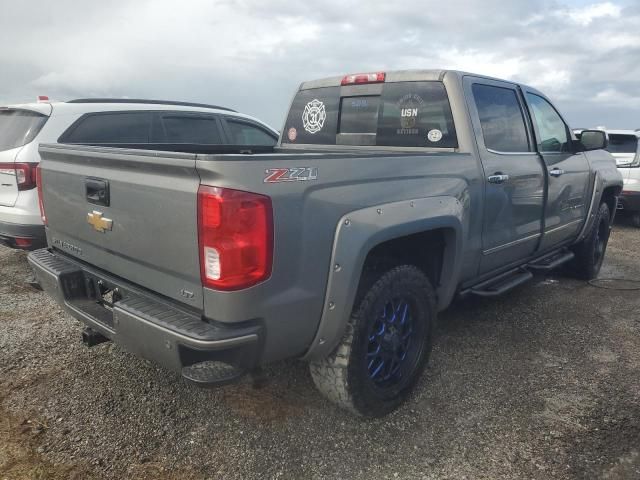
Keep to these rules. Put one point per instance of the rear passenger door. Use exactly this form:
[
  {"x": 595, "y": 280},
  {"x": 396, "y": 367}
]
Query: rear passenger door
[
  {"x": 568, "y": 172},
  {"x": 514, "y": 183}
]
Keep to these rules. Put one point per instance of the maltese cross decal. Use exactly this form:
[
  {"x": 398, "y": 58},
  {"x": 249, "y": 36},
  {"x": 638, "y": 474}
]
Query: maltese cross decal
[{"x": 314, "y": 116}]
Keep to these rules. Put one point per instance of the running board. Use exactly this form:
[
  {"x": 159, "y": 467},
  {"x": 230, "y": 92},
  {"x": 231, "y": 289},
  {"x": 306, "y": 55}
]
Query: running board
[
  {"x": 552, "y": 262},
  {"x": 513, "y": 278},
  {"x": 502, "y": 284}
]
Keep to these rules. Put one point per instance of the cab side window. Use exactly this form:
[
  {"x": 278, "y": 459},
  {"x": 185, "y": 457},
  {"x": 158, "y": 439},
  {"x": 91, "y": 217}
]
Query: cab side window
[
  {"x": 501, "y": 118},
  {"x": 553, "y": 135}
]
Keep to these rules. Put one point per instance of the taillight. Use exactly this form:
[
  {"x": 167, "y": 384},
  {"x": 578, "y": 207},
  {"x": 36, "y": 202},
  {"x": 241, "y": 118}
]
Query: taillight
[
  {"x": 40, "y": 197},
  {"x": 358, "y": 78},
  {"x": 235, "y": 237},
  {"x": 22, "y": 242},
  {"x": 24, "y": 172}
]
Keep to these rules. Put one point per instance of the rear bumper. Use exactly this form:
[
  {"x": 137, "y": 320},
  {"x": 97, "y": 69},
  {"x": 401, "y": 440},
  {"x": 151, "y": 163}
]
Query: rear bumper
[
  {"x": 629, "y": 201},
  {"x": 25, "y": 237},
  {"x": 147, "y": 325}
]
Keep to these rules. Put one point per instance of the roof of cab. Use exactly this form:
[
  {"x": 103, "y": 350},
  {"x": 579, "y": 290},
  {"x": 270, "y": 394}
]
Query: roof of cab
[
  {"x": 426, "y": 75},
  {"x": 391, "y": 76}
]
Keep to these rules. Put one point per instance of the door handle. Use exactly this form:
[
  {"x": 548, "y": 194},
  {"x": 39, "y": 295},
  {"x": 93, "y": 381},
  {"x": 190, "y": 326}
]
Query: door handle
[
  {"x": 556, "y": 172},
  {"x": 497, "y": 178}
]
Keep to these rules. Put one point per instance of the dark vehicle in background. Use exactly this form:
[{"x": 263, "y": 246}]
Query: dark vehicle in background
[{"x": 388, "y": 195}]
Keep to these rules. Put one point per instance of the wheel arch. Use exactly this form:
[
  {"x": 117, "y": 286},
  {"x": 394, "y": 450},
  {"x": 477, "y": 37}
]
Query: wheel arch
[
  {"x": 607, "y": 186},
  {"x": 610, "y": 197},
  {"x": 373, "y": 232}
]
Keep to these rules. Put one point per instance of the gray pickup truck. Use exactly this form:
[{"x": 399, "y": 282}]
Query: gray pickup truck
[{"x": 387, "y": 196}]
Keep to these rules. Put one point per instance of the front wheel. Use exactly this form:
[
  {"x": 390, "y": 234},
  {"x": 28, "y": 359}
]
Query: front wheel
[
  {"x": 589, "y": 253},
  {"x": 385, "y": 348}
]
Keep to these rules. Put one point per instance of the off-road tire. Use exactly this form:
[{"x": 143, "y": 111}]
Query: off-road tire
[
  {"x": 589, "y": 253},
  {"x": 343, "y": 376}
]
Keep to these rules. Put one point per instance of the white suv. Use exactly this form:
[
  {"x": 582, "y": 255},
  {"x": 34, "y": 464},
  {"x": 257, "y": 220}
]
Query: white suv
[
  {"x": 624, "y": 146},
  {"x": 148, "y": 124}
]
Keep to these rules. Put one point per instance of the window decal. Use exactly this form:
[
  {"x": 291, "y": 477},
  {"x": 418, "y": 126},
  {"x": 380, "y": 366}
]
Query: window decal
[{"x": 314, "y": 116}]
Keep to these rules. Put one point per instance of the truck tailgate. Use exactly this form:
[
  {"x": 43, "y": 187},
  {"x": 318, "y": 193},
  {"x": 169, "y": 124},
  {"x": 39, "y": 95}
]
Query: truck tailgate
[{"x": 130, "y": 212}]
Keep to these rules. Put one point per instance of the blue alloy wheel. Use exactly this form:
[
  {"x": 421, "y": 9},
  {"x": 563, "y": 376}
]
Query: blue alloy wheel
[
  {"x": 386, "y": 344},
  {"x": 392, "y": 350}
]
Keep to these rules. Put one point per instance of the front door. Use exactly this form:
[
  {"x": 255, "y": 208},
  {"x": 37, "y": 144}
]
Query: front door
[
  {"x": 514, "y": 175},
  {"x": 568, "y": 172}
]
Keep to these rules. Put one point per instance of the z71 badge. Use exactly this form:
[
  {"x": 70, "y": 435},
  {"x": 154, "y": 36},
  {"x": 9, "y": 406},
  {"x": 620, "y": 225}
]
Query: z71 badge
[{"x": 295, "y": 174}]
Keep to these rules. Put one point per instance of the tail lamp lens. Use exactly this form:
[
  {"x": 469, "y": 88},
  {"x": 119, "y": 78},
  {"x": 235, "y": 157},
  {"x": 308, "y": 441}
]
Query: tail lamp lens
[
  {"x": 22, "y": 242},
  {"x": 235, "y": 234},
  {"x": 24, "y": 173},
  {"x": 40, "y": 197}
]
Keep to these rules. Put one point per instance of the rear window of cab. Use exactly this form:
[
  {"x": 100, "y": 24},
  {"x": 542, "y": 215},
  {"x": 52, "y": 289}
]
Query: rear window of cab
[{"x": 404, "y": 114}]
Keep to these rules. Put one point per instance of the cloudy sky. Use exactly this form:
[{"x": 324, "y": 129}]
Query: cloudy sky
[{"x": 252, "y": 54}]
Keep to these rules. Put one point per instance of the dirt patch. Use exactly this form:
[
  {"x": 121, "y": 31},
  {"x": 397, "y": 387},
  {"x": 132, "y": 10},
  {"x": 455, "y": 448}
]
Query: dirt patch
[
  {"x": 610, "y": 439},
  {"x": 265, "y": 404},
  {"x": 157, "y": 470},
  {"x": 18, "y": 452},
  {"x": 20, "y": 437},
  {"x": 16, "y": 289}
]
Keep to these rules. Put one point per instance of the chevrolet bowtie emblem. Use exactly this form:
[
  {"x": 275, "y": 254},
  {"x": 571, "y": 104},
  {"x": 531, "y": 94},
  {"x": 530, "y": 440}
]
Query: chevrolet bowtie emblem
[{"x": 98, "y": 222}]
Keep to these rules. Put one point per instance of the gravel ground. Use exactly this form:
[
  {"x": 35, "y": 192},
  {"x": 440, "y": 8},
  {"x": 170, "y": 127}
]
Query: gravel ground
[{"x": 541, "y": 383}]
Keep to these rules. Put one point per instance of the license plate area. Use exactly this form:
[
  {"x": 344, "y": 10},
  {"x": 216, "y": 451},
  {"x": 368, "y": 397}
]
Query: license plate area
[
  {"x": 98, "y": 298},
  {"x": 102, "y": 291}
]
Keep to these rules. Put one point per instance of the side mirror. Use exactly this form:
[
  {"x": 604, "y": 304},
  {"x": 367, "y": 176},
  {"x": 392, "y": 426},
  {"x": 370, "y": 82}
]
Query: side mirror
[{"x": 594, "y": 140}]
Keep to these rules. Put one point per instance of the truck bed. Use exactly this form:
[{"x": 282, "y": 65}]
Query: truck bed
[{"x": 153, "y": 241}]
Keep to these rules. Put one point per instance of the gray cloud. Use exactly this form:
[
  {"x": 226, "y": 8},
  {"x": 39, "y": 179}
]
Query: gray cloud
[{"x": 251, "y": 54}]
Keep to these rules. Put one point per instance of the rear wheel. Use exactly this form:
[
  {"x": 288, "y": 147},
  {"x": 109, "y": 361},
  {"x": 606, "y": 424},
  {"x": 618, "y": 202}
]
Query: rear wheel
[
  {"x": 590, "y": 251},
  {"x": 386, "y": 345},
  {"x": 635, "y": 219}
]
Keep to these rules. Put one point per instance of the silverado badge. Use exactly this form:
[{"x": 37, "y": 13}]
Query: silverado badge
[{"x": 98, "y": 222}]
